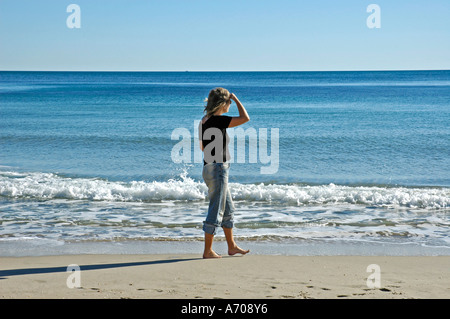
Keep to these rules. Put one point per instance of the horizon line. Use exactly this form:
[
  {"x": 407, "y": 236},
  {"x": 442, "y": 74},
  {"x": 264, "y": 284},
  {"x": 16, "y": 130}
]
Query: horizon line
[{"x": 223, "y": 71}]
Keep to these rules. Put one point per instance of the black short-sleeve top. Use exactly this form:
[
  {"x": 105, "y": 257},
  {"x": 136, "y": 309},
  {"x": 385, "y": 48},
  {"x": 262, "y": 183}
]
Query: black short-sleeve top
[{"x": 214, "y": 131}]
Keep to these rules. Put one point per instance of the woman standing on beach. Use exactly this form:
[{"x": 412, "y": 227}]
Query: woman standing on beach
[{"x": 214, "y": 144}]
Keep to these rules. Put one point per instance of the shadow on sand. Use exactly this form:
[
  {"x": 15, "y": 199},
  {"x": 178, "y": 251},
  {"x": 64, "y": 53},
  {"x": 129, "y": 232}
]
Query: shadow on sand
[{"x": 46, "y": 270}]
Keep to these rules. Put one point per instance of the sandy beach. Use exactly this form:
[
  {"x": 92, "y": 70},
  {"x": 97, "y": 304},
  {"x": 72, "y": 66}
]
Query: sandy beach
[{"x": 251, "y": 276}]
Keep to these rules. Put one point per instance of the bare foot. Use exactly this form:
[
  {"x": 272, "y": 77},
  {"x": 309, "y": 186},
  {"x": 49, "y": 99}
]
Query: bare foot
[
  {"x": 236, "y": 250},
  {"x": 211, "y": 254}
]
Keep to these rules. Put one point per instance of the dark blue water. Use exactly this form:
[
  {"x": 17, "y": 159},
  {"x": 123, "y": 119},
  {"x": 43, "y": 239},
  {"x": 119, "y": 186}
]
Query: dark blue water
[{"x": 368, "y": 143}]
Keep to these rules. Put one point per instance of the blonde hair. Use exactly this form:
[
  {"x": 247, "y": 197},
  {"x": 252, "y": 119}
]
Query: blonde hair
[{"x": 217, "y": 98}]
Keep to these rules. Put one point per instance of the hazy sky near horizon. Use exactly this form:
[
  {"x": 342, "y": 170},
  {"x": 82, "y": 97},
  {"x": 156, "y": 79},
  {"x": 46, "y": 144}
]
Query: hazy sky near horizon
[{"x": 244, "y": 35}]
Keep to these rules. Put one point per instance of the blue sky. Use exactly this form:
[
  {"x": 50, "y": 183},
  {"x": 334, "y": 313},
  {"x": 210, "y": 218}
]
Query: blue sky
[{"x": 247, "y": 35}]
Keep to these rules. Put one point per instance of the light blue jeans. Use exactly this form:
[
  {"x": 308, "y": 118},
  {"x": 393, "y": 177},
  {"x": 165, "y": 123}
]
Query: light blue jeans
[{"x": 220, "y": 202}]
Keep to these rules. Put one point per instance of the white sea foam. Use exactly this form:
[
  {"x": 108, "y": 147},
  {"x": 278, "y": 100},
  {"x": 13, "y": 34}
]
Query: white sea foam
[
  {"x": 50, "y": 186},
  {"x": 376, "y": 196}
]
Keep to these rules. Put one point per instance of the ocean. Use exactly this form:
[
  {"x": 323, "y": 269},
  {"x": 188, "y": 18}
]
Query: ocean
[{"x": 343, "y": 162}]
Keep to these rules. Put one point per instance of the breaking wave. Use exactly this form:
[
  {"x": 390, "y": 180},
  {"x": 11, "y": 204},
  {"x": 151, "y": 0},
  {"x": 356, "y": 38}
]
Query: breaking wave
[{"x": 38, "y": 185}]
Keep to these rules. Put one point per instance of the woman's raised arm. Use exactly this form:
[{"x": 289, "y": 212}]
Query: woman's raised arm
[{"x": 243, "y": 115}]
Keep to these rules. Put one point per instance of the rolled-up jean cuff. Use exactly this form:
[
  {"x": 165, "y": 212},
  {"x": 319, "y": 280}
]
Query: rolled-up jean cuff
[
  {"x": 210, "y": 229},
  {"x": 227, "y": 223}
]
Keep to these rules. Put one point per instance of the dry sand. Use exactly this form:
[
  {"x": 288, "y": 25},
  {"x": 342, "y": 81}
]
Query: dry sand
[{"x": 251, "y": 276}]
